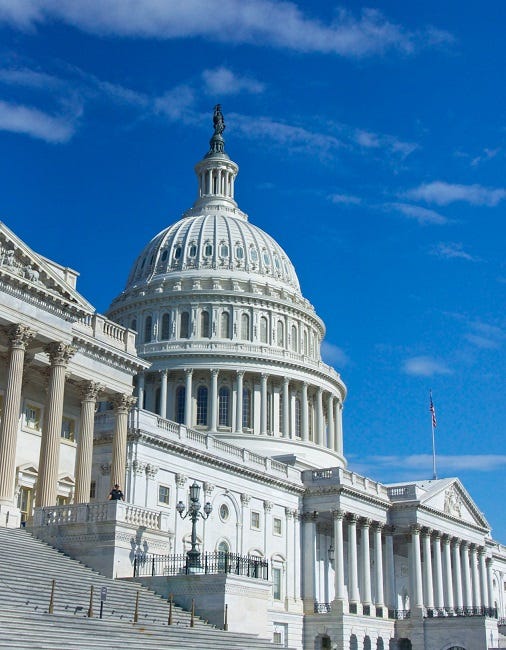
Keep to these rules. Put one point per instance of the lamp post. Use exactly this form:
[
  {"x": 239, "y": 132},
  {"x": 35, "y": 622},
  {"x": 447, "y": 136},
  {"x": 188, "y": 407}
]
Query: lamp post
[{"x": 194, "y": 513}]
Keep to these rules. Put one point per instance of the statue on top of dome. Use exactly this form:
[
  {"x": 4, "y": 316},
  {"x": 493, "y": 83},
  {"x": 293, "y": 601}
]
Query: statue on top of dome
[{"x": 218, "y": 121}]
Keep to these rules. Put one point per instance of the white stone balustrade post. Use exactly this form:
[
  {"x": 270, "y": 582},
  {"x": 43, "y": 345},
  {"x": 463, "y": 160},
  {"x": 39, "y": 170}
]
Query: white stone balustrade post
[
  {"x": 47, "y": 484},
  {"x": 122, "y": 404},
  {"x": 428, "y": 586},
  {"x": 448, "y": 577},
  {"x": 19, "y": 338},
  {"x": 89, "y": 393}
]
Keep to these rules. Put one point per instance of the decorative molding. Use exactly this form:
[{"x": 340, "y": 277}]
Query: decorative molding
[{"x": 180, "y": 480}]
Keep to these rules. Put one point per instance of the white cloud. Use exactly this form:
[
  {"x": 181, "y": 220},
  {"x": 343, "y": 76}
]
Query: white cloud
[
  {"x": 346, "y": 199},
  {"x": 176, "y": 103},
  {"x": 423, "y": 366},
  {"x": 334, "y": 355},
  {"x": 443, "y": 193},
  {"x": 419, "y": 213},
  {"x": 28, "y": 78},
  {"x": 17, "y": 118},
  {"x": 403, "y": 467},
  {"x": 452, "y": 250},
  {"x": 485, "y": 336},
  {"x": 265, "y": 22},
  {"x": 222, "y": 81}
]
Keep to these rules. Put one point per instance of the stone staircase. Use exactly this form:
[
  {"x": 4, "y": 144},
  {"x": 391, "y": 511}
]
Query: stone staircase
[{"x": 27, "y": 568}]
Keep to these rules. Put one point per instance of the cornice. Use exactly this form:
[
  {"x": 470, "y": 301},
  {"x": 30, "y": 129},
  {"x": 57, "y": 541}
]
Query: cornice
[{"x": 343, "y": 490}]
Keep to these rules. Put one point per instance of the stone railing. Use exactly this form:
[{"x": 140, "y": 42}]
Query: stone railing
[
  {"x": 102, "y": 329},
  {"x": 402, "y": 492},
  {"x": 108, "y": 511},
  {"x": 340, "y": 476}
]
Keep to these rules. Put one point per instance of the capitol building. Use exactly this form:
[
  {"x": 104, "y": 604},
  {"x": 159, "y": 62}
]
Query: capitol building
[{"x": 204, "y": 381}]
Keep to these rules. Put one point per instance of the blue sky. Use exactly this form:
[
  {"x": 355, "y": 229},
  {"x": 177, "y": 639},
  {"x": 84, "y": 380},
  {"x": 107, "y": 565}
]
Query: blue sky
[{"x": 371, "y": 142}]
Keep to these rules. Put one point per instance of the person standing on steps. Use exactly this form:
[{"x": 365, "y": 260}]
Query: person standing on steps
[{"x": 116, "y": 494}]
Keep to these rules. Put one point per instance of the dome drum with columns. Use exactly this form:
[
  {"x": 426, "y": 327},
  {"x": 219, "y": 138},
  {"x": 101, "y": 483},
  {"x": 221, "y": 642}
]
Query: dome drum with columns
[{"x": 221, "y": 317}]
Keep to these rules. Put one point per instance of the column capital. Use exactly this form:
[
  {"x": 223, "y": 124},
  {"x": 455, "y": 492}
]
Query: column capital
[
  {"x": 245, "y": 499},
  {"x": 264, "y": 376},
  {"x": 240, "y": 373},
  {"x": 338, "y": 514},
  {"x": 89, "y": 390},
  {"x": 426, "y": 531},
  {"x": 415, "y": 529},
  {"x": 214, "y": 372},
  {"x": 378, "y": 526},
  {"x": 465, "y": 545},
  {"x": 389, "y": 530},
  {"x": 446, "y": 537},
  {"x": 180, "y": 480},
  {"x": 123, "y": 403},
  {"x": 188, "y": 371},
  {"x": 309, "y": 516},
  {"x": 481, "y": 551},
  {"x": 436, "y": 535},
  {"x": 59, "y": 353},
  {"x": 163, "y": 371},
  {"x": 268, "y": 506},
  {"x": 365, "y": 522},
  {"x": 352, "y": 518},
  {"x": 488, "y": 562},
  {"x": 286, "y": 381},
  {"x": 20, "y": 335},
  {"x": 290, "y": 513},
  {"x": 456, "y": 542}
]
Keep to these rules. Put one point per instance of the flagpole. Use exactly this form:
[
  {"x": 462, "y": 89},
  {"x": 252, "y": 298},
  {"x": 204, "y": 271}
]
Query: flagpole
[{"x": 433, "y": 423}]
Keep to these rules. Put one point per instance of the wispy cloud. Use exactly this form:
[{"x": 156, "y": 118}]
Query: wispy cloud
[
  {"x": 29, "y": 78},
  {"x": 334, "y": 355},
  {"x": 452, "y": 250},
  {"x": 424, "y": 366},
  {"x": 371, "y": 140},
  {"x": 266, "y": 22},
  {"x": 345, "y": 199},
  {"x": 18, "y": 118},
  {"x": 419, "y": 466},
  {"x": 223, "y": 81},
  {"x": 442, "y": 193},
  {"x": 486, "y": 336},
  {"x": 423, "y": 215}
]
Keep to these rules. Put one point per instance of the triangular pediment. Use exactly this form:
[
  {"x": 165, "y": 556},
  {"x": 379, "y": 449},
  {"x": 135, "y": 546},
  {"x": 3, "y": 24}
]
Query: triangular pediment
[
  {"x": 22, "y": 268},
  {"x": 449, "y": 497}
]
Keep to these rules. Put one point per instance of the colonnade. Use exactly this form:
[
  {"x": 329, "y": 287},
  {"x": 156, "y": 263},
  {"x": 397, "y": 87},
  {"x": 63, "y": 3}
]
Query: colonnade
[
  {"x": 59, "y": 354},
  {"x": 446, "y": 575},
  {"x": 279, "y": 405}
]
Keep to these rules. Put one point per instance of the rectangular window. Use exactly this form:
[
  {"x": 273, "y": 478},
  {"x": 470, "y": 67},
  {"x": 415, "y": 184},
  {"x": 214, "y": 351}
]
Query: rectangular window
[
  {"x": 164, "y": 494},
  {"x": 276, "y": 584},
  {"x": 276, "y": 526},
  {"x": 68, "y": 429},
  {"x": 93, "y": 489},
  {"x": 277, "y": 638},
  {"x": 32, "y": 417},
  {"x": 255, "y": 520}
]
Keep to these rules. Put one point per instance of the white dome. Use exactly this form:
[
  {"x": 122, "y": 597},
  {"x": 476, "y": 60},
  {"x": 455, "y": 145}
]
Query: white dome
[{"x": 212, "y": 243}]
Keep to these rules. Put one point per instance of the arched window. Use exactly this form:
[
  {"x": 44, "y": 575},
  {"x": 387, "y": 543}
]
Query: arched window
[
  {"x": 297, "y": 417},
  {"x": 180, "y": 402},
  {"x": 202, "y": 406},
  {"x": 148, "y": 329},
  {"x": 367, "y": 643},
  {"x": 165, "y": 327},
  {"x": 224, "y": 407},
  {"x": 246, "y": 408},
  {"x": 204, "y": 325},
  {"x": 295, "y": 345},
  {"x": 184, "y": 325},
  {"x": 263, "y": 329},
  {"x": 225, "y": 325},
  {"x": 280, "y": 334},
  {"x": 245, "y": 327},
  {"x": 223, "y": 550},
  {"x": 157, "y": 401}
]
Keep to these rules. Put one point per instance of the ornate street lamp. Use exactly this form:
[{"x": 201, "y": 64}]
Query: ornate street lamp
[{"x": 194, "y": 513}]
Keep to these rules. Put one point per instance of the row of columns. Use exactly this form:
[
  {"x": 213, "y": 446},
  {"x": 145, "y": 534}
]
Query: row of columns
[
  {"x": 59, "y": 354},
  {"x": 286, "y": 425},
  {"x": 454, "y": 574}
]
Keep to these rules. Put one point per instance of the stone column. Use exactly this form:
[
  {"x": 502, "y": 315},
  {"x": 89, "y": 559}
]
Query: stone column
[
  {"x": 309, "y": 537},
  {"x": 339, "y": 555},
  {"x": 475, "y": 577},
  {"x": 448, "y": 572},
  {"x": 390, "y": 567},
  {"x": 319, "y": 416},
  {"x": 457, "y": 574},
  {"x": 188, "y": 397},
  {"x": 366, "y": 562},
  {"x": 19, "y": 337},
  {"x": 122, "y": 405},
  {"x": 263, "y": 403},
  {"x": 297, "y": 554},
  {"x": 47, "y": 484},
  {"x": 483, "y": 578},
  {"x": 214, "y": 400},
  {"x": 331, "y": 432},
  {"x": 438, "y": 568},
  {"x": 466, "y": 575},
  {"x": 141, "y": 378},
  {"x": 490, "y": 583},
  {"x": 89, "y": 393},
  {"x": 428, "y": 587},
  {"x": 304, "y": 423},
  {"x": 416, "y": 567},
  {"x": 163, "y": 393},
  {"x": 238, "y": 400},
  {"x": 354, "y": 595},
  {"x": 378, "y": 564},
  {"x": 286, "y": 408},
  {"x": 338, "y": 426}
]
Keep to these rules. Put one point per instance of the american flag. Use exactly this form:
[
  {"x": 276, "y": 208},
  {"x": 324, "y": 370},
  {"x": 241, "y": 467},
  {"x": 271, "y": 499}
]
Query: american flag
[{"x": 433, "y": 412}]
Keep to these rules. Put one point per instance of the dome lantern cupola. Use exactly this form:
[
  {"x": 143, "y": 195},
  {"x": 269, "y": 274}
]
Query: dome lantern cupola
[{"x": 216, "y": 172}]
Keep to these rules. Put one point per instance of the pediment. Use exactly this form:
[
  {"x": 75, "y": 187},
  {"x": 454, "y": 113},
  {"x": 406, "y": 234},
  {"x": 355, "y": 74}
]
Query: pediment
[
  {"x": 22, "y": 268},
  {"x": 452, "y": 499}
]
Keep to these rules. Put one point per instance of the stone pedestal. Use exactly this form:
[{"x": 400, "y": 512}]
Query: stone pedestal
[{"x": 10, "y": 516}]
